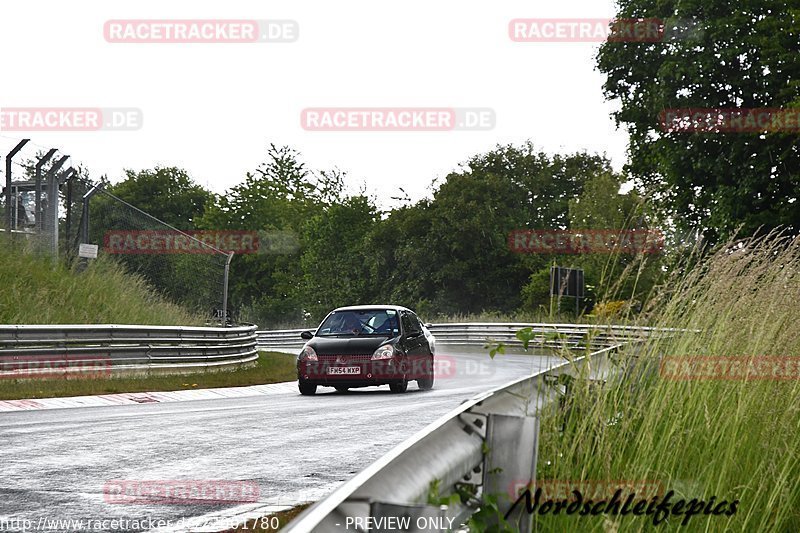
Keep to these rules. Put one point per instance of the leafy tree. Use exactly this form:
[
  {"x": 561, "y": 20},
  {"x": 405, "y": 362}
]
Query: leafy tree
[
  {"x": 398, "y": 257},
  {"x": 467, "y": 245},
  {"x": 547, "y": 182},
  {"x": 598, "y": 207},
  {"x": 613, "y": 275},
  {"x": 450, "y": 254},
  {"x": 168, "y": 194},
  {"x": 741, "y": 55},
  {"x": 279, "y": 196},
  {"x": 280, "y": 193},
  {"x": 333, "y": 262},
  {"x": 172, "y": 196}
]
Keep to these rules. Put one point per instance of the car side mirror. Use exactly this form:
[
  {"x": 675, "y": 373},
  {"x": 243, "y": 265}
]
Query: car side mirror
[{"x": 306, "y": 335}]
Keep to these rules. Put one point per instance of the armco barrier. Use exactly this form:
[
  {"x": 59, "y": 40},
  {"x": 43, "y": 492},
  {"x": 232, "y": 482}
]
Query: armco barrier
[
  {"x": 28, "y": 350},
  {"x": 479, "y": 334},
  {"x": 486, "y": 445}
]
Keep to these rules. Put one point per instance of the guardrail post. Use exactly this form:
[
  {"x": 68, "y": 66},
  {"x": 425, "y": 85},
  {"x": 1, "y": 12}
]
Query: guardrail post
[{"x": 510, "y": 462}]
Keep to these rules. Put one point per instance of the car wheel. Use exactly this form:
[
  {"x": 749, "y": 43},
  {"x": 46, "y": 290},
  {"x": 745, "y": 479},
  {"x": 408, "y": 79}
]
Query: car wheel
[
  {"x": 398, "y": 387},
  {"x": 342, "y": 389},
  {"x": 426, "y": 383},
  {"x": 307, "y": 389}
]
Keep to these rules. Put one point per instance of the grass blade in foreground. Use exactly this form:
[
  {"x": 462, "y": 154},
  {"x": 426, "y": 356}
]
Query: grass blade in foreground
[{"x": 702, "y": 436}]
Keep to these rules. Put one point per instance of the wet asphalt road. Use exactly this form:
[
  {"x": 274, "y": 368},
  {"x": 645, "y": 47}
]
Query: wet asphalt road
[{"x": 55, "y": 463}]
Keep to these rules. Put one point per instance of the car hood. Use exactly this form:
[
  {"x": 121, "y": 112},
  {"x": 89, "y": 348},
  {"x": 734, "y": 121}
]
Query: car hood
[{"x": 359, "y": 345}]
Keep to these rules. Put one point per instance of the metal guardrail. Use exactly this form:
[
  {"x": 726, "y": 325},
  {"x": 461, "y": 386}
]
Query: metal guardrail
[
  {"x": 43, "y": 349},
  {"x": 486, "y": 445},
  {"x": 479, "y": 334}
]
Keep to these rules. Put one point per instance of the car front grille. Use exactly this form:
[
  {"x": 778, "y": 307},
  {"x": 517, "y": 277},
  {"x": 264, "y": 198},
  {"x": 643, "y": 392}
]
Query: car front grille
[{"x": 331, "y": 359}]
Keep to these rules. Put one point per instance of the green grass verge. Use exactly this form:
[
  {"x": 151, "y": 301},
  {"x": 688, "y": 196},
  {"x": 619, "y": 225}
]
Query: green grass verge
[
  {"x": 726, "y": 439},
  {"x": 271, "y": 367},
  {"x": 37, "y": 291}
]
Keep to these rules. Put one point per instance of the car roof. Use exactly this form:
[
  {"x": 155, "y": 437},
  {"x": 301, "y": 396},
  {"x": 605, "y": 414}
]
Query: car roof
[{"x": 370, "y": 307}]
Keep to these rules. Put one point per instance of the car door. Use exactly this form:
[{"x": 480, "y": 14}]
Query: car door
[
  {"x": 412, "y": 339},
  {"x": 425, "y": 347},
  {"x": 425, "y": 362}
]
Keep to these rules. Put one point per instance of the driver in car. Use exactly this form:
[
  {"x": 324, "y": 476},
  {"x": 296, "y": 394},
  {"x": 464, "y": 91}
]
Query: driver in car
[
  {"x": 389, "y": 326},
  {"x": 351, "y": 324}
]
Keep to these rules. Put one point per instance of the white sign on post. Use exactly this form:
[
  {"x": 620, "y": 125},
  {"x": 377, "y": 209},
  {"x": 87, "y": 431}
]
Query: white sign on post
[{"x": 88, "y": 251}]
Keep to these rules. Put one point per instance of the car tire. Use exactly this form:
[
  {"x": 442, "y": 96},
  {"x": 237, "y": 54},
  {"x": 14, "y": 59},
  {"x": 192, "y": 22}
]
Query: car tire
[
  {"x": 427, "y": 382},
  {"x": 342, "y": 389},
  {"x": 307, "y": 389},
  {"x": 398, "y": 387}
]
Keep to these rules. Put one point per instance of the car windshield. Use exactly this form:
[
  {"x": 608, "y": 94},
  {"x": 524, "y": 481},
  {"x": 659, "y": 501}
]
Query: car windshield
[{"x": 366, "y": 322}]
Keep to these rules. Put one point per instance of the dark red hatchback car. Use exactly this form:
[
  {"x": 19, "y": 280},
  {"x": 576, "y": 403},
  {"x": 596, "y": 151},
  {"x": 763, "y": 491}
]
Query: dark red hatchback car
[{"x": 364, "y": 346}]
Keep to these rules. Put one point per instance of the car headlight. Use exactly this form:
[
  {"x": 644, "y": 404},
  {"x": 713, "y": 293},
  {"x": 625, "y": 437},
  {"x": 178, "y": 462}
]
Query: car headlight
[
  {"x": 384, "y": 352},
  {"x": 308, "y": 354}
]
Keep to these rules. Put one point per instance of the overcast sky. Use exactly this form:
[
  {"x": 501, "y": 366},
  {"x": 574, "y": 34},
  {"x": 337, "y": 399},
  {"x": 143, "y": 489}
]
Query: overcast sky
[{"x": 214, "y": 108}]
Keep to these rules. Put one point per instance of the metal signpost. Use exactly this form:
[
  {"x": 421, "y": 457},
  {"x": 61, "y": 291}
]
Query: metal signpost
[{"x": 567, "y": 282}]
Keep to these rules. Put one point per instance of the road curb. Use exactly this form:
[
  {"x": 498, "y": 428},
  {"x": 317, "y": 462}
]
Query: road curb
[{"x": 141, "y": 398}]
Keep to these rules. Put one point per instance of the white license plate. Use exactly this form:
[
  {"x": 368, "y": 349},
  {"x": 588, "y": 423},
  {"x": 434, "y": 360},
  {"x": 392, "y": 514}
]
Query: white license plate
[{"x": 338, "y": 370}]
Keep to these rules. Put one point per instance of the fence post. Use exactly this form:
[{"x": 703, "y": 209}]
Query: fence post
[
  {"x": 225, "y": 290},
  {"x": 85, "y": 219},
  {"x": 11, "y": 222},
  {"x": 52, "y": 204},
  {"x": 67, "y": 176},
  {"x": 38, "y": 209},
  {"x": 85, "y": 212}
]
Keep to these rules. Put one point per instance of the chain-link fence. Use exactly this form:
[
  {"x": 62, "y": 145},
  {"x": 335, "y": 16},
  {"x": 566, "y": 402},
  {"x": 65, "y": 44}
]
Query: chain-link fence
[
  {"x": 52, "y": 207},
  {"x": 184, "y": 266},
  {"x": 71, "y": 212},
  {"x": 32, "y": 208}
]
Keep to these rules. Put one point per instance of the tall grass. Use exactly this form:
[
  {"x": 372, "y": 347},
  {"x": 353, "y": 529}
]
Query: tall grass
[
  {"x": 733, "y": 440},
  {"x": 564, "y": 317},
  {"x": 34, "y": 290}
]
